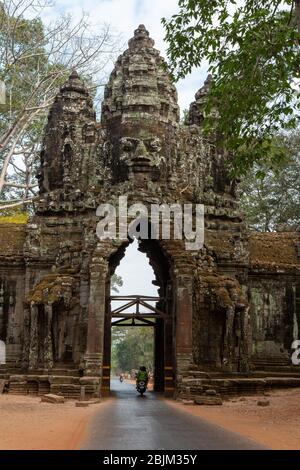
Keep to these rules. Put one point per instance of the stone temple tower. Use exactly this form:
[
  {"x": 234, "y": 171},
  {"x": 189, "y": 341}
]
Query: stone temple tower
[
  {"x": 69, "y": 143},
  {"x": 225, "y": 310},
  {"x": 140, "y": 110}
]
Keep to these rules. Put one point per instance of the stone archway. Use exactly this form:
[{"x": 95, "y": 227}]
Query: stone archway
[
  {"x": 174, "y": 271},
  {"x": 164, "y": 366}
]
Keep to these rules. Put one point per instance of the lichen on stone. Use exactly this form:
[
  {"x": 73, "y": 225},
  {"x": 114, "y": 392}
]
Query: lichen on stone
[{"x": 52, "y": 288}]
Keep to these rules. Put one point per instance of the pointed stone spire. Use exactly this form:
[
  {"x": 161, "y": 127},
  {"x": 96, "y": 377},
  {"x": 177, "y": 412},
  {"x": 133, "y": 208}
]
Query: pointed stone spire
[
  {"x": 205, "y": 88},
  {"x": 74, "y": 83},
  {"x": 140, "y": 103},
  {"x": 69, "y": 130},
  {"x": 196, "y": 110},
  {"x": 140, "y": 88},
  {"x": 141, "y": 39},
  {"x": 74, "y": 75}
]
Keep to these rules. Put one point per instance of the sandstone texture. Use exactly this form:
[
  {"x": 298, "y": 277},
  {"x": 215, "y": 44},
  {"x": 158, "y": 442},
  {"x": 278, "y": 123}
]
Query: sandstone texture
[{"x": 230, "y": 309}]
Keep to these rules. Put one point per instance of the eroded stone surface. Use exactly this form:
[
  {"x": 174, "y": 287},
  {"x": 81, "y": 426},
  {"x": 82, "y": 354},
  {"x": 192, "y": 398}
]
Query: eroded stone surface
[
  {"x": 232, "y": 306},
  {"x": 51, "y": 398}
]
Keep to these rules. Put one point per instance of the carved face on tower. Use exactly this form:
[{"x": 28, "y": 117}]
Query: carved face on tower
[
  {"x": 141, "y": 156},
  {"x": 140, "y": 111},
  {"x": 69, "y": 139}
]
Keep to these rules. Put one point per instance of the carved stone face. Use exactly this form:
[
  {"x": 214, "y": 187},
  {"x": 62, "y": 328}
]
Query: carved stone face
[{"x": 140, "y": 152}]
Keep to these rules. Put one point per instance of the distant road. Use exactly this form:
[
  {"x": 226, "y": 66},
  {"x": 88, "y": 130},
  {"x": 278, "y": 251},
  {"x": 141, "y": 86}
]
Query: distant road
[{"x": 130, "y": 422}]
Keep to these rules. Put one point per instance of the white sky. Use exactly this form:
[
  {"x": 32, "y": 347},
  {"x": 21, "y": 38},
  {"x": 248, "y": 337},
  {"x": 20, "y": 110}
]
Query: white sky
[
  {"x": 124, "y": 16},
  {"x": 136, "y": 272}
]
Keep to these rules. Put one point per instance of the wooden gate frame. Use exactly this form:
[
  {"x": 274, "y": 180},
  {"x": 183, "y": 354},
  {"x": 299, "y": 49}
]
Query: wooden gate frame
[{"x": 135, "y": 302}]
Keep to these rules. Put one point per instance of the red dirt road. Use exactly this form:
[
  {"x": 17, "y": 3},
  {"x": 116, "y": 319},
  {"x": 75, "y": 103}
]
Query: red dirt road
[
  {"x": 276, "y": 426},
  {"x": 28, "y": 424}
]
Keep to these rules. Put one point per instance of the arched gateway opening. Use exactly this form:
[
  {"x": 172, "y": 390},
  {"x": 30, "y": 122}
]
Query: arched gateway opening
[{"x": 139, "y": 309}]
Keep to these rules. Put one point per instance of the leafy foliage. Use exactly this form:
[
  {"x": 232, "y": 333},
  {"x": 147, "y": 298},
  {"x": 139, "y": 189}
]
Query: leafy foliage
[
  {"x": 131, "y": 348},
  {"x": 116, "y": 281},
  {"x": 252, "y": 50},
  {"x": 273, "y": 201}
]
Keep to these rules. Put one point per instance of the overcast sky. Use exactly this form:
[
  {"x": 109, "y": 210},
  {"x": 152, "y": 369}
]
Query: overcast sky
[{"x": 136, "y": 272}]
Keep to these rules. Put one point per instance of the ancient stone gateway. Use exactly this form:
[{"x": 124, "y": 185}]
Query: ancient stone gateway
[{"x": 230, "y": 309}]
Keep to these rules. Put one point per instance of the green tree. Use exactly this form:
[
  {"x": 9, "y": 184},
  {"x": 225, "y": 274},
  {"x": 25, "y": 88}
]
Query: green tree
[
  {"x": 273, "y": 201},
  {"x": 131, "y": 348},
  {"x": 116, "y": 282},
  {"x": 252, "y": 51}
]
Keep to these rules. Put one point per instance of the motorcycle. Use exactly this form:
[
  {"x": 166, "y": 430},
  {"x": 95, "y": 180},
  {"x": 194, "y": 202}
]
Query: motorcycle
[{"x": 141, "y": 387}]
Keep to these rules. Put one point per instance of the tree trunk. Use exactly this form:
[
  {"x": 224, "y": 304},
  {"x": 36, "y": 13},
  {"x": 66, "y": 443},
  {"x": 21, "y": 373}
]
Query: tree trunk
[{"x": 297, "y": 14}]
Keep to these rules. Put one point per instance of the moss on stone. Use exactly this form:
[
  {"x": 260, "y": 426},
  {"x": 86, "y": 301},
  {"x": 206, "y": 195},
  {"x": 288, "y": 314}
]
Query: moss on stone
[
  {"x": 226, "y": 290},
  {"x": 18, "y": 218},
  {"x": 223, "y": 297},
  {"x": 12, "y": 239},
  {"x": 275, "y": 249},
  {"x": 51, "y": 288}
]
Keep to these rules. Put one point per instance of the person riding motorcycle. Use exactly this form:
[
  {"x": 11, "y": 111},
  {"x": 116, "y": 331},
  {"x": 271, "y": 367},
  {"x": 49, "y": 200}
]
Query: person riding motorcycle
[{"x": 142, "y": 375}]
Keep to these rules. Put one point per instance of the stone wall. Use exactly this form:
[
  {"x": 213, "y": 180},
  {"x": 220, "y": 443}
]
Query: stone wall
[
  {"x": 274, "y": 291},
  {"x": 232, "y": 307}
]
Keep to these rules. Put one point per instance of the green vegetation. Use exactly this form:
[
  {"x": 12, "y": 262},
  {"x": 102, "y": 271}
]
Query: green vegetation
[
  {"x": 252, "y": 51},
  {"x": 273, "y": 201},
  {"x": 18, "y": 218},
  {"x": 131, "y": 348},
  {"x": 116, "y": 281}
]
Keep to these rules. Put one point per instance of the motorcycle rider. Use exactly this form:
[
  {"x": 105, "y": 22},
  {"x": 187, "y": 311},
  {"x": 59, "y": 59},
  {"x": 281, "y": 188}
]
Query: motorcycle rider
[{"x": 142, "y": 375}]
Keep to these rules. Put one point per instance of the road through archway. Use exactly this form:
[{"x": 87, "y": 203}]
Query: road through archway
[{"x": 130, "y": 422}]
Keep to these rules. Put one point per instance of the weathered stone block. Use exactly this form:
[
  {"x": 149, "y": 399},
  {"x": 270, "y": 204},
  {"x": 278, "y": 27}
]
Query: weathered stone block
[
  {"x": 89, "y": 380},
  {"x": 263, "y": 403},
  {"x": 208, "y": 400},
  {"x": 187, "y": 402},
  {"x": 17, "y": 378},
  {"x": 2, "y": 385},
  {"x": 211, "y": 392},
  {"x": 51, "y": 398},
  {"x": 95, "y": 401}
]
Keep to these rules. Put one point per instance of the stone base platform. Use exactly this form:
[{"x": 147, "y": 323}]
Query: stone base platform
[
  {"x": 228, "y": 386},
  {"x": 67, "y": 385}
]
